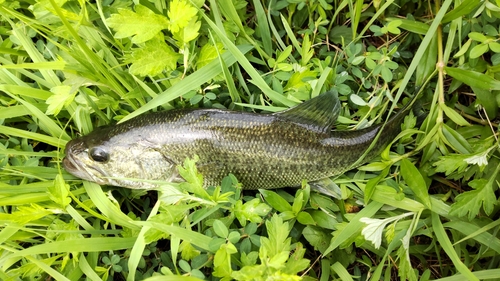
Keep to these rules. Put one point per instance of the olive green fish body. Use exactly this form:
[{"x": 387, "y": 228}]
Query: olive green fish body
[{"x": 261, "y": 150}]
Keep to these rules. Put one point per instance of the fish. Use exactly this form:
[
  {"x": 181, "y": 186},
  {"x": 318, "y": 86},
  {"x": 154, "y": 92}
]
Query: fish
[{"x": 263, "y": 151}]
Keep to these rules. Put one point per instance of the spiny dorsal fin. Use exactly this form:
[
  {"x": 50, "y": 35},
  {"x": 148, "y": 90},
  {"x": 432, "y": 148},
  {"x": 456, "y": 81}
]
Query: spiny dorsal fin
[{"x": 319, "y": 113}]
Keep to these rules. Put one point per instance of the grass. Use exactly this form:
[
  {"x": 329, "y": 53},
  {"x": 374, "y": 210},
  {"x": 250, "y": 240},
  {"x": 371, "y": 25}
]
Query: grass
[{"x": 426, "y": 209}]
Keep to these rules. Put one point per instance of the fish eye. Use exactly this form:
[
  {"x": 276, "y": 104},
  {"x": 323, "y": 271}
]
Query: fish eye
[{"x": 99, "y": 155}]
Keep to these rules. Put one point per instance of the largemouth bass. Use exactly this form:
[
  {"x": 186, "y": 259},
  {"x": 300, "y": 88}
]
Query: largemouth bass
[{"x": 261, "y": 150}]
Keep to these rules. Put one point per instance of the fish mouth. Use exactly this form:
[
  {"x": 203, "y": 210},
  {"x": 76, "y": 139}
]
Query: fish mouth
[{"x": 76, "y": 168}]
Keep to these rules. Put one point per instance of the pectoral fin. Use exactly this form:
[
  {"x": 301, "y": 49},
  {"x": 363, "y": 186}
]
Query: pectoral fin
[{"x": 327, "y": 187}]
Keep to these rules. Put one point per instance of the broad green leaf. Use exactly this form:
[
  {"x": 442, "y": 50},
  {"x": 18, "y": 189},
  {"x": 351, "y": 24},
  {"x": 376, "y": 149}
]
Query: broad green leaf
[
  {"x": 372, "y": 183},
  {"x": 193, "y": 237},
  {"x": 180, "y": 13},
  {"x": 26, "y": 214},
  {"x": 486, "y": 98},
  {"x": 354, "y": 226},
  {"x": 143, "y": 24},
  {"x": 392, "y": 26},
  {"x": 415, "y": 181},
  {"x": 208, "y": 53},
  {"x": 62, "y": 96},
  {"x": 473, "y": 78},
  {"x": 411, "y": 25},
  {"x": 357, "y": 100},
  {"x": 470, "y": 202},
  {"x": 276, "y": 201},
  {"x": 220, "y": 229},
  {"x": 476, "y": 36},
  {"x": 465, "y": 7},
  {"x": 284, "y": 54},
  {"x": 451, "y": 163},
  {"x": 296, "y": 262},
  {"x": 464, "y": 49},
  {"x": 305, "y": 218},
  {"x": 428, "y": 63},
  {"x": 152, "y": 58},
  {"x": 357, "y": 60},
  {"x": 252, "y": 211},
  {"x": 455, "y": 140},
  {"x": 478, "y": 50},
  {"x": 277, "y": 240},
  {"x": 386, "y": 74},
  {"x": 494, "y": 46},
  {"x": 322, "y": 219},
  {"x": 454, "y": 116},
  {"x": 188, "y": 33},
  {"x": 316, "y": 237},
  {"x": 59, "y": 192},
  {"x": 387, "y": 195}
]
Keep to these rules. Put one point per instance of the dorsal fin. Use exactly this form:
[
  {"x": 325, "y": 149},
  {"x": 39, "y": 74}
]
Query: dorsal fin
[{"x": 319, "y": 113}]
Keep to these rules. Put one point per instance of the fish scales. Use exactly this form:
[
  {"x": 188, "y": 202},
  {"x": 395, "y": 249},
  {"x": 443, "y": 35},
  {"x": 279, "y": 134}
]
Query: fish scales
[{"x": 261, "y": 150}]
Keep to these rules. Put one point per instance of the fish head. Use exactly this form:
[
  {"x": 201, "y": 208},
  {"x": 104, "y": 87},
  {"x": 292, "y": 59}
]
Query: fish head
[{"x": 128, "y": 163}]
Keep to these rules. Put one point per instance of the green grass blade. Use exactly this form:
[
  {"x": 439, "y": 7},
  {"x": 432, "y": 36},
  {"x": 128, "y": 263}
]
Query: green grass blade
[
  {"x": 415, "y": 181},
  {"x": 172, "y": 278},
  {"x": 249, "y": 68},
  {"x": 481, "y": 274},
  {"x": 33, "y": 136},
  {"x": 99, "y": 244},
  {"x": 413, "y": 65},
  {"x": 233, "y": 92},
  {"x": 321, "y": 82},
  {"x": 290, "y": 33},
  {"x": 477, "y": 233},
  {"x": 110, "y": 210},
  {"x": 78, "y": 218},
  {"x": 48, "y": 75},
  {"x": 341, "y": 271},
  {"x": 276, "y": 35},
  {"x": 445, "y": 243},
  {"x": 466, "y": 7},
  {"x": 87, "y": 269},
  {"x": 192, "y": 237},
  {"x": 46, "y": 123},
  {"x": 45, "y": 267},
  {"x": 52, "y": 65},
  {"x": 189, "y": 83},
  {"x": 8, "y": 231},
  {"x": 139, "y": 246},
  {"x": 263, "y": 27},
  {"x": 473, "y": 78}
]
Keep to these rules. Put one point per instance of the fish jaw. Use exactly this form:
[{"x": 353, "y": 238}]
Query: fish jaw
[{"x": 76, "y": 167}]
